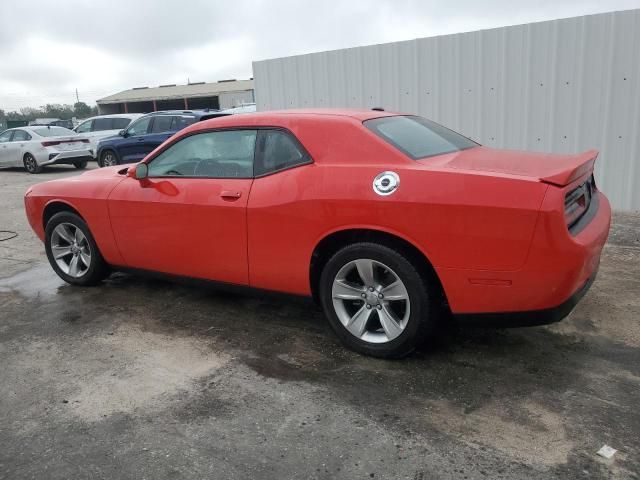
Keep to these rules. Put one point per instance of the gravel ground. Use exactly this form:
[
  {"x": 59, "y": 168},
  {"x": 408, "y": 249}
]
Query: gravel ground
[{"x": 142, "y": 378}]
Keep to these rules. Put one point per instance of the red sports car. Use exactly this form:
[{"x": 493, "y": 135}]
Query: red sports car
[{"x": 387, "y": 220}]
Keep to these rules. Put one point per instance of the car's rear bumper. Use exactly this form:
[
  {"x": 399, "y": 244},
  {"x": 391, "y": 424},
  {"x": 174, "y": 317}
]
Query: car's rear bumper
[
  {"x": 528, "y": 318},
  {"x": 557, "y": 273},
  {"x": 68, "y": 158}
]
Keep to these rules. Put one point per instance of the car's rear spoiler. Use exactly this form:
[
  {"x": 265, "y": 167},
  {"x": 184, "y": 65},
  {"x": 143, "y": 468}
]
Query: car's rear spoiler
[{"x": 572, "y": 169}]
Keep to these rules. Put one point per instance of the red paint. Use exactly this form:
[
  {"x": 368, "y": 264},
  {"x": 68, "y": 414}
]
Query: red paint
[{"x": 491, "y": 222}]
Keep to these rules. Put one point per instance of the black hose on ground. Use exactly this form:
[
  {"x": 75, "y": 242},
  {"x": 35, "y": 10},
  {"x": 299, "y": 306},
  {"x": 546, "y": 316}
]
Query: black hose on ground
[{"x": 7, "y": 235}]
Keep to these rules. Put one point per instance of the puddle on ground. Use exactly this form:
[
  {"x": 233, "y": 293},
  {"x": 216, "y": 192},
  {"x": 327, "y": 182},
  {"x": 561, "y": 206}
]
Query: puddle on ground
[{"x": 40, "y": 281}]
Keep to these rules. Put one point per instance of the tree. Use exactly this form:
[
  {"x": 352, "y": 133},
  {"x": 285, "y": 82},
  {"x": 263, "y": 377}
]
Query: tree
[
  {"x": 27, "y": 113},
  {"x": 56, "y": 110},
  {"x": 81, "y": 110}
]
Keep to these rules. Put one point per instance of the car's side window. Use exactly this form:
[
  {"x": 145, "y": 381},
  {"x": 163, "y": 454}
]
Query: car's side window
[
  {"x": 21, "y": 136},
  {"x": 5, "y": 136},
  {"x": 139, "y": 127},
  {"x": 220, "y": 154},
  {"x": 182, "y": 121},
  {"x": 120, "y": 123},
  {"x": 278, "y": 150},
  {"x": 84, "y": 127},
  {"x": 101, "y": 124},
  {"x": 161, "y": 124}
]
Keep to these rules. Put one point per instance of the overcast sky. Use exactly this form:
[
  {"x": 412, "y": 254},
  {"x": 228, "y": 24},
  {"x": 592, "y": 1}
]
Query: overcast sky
[{"x": 50, "y": 48}]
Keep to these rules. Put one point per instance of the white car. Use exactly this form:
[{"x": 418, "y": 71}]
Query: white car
[
  {"x": 103, "y": 126},
  {"x": 37, "y": 147}
]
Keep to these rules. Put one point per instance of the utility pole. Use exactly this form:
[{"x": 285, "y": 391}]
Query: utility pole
[{"x": 77, "y": 97}]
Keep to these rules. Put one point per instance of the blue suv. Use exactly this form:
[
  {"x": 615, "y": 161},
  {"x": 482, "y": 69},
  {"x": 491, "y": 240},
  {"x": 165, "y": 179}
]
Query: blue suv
[{"x": 145, "y": 134}]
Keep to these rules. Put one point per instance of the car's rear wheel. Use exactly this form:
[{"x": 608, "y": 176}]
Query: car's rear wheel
[
  {"x": 81, "y": 165},
  {"x": 376, "y": 301},
  {"x": 108, "y": 159},
  {"x": 31, "y": 164},
  {"x": 72, "y": 251}
]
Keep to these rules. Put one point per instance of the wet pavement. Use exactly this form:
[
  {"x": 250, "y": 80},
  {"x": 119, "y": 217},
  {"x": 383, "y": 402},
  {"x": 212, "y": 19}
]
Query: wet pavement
[{"x": 142, "y": 378}]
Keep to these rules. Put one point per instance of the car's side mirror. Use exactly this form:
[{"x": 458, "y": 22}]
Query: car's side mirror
[
  {"x": 141, "y": 171},
  {"x": 123, "y": 133}
]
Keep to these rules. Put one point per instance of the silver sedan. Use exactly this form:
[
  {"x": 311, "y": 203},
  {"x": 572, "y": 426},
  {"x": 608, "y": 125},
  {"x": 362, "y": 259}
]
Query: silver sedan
[{"x": 36, "y": 147}]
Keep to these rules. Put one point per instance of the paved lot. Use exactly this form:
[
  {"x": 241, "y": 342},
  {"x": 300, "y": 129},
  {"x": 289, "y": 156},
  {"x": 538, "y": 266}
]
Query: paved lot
[{"x": 147, "y": 379}]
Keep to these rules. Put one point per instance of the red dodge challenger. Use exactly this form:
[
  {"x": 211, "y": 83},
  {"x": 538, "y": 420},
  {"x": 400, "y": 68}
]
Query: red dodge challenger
[{"x": 387, "y": 220}]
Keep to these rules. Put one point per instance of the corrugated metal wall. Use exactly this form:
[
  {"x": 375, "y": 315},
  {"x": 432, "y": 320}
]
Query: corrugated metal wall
[
  {"x": 559, "y": 86},
  {"x": 234, "y": 99}
]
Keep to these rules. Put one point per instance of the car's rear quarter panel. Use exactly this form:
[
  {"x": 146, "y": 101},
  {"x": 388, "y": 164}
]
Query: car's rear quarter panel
[{"x": 459, "y": 220}]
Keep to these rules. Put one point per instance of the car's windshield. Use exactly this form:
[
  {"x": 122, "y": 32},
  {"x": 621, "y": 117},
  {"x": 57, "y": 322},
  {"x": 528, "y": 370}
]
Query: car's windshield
[
  {"x": 53, "y": 131},
  {"x": 418, "y": 137}
]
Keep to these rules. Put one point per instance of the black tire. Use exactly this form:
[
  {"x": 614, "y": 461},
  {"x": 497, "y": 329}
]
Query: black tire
[
  {"x": 31, "y": 164},
  {"x": 81, "y": 165},
  {"x": 98, "y": 269},
  {"x": 423, "y": 310},
  {"x": 108, "y": 158}
]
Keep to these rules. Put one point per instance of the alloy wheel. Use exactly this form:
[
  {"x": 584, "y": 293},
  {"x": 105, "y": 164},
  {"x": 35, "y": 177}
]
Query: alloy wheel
[
  {"x": 30, "y": 163},
  {"x": 371, "y": 301},
  {"x": 109, "y": 160},
  {"x": 71, "y": 250}
]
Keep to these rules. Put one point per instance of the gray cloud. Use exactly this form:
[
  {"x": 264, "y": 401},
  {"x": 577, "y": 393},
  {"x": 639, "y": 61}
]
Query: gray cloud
[{"x": 47, "y": 49}]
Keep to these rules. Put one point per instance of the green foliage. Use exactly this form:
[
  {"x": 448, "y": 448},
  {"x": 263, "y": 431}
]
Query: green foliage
[
  {"x": 81, "y": 110},
  {"x": 64, "y": 112}
]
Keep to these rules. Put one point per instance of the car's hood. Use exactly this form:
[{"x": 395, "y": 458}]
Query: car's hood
[
  {"x": 546, "y": 167},
  {"x": 104, "y": 172}
]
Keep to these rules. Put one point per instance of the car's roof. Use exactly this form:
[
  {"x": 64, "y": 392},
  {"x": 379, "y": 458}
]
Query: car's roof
[
  {"x": 279, "y": 116},
  {"x": 115, "y": 115},
  {"x": 197, "y": 113},
  {"x": 357, "y": 113},
  {"x": 28, "y": 127}
]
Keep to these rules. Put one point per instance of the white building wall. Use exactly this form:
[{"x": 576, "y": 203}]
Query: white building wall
[
  {"x": 559, "y": 86},
  {"x": 235, "y": 99}
]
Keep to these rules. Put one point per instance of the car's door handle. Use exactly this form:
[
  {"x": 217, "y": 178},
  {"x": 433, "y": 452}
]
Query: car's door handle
[
  {"x": 140, "y": 139},
  {"x": 231, "y": 194}
]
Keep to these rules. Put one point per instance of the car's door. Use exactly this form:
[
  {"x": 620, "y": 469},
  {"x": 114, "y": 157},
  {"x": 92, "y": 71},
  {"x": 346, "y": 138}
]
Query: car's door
[
  {"x": 95, "y": 131},
  {"x": 131, "y": 148},
  {"x": 7, "y": 149},
  {"x": 20, "y": 142},
  {"x": 189, "y": 216},
  {"x": 159, "y": 131}
]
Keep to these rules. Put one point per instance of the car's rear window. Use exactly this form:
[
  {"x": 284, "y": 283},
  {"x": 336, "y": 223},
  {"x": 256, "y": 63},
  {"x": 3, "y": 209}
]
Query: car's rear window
[
  {"x": 53, "y": 131},
  {"x": 418, "y": 137}
]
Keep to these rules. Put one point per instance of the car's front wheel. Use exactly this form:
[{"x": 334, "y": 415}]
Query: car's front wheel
[
  {"x": 81, "y": 165},
  {"x": 108, "y": 159},
  {"x": 375, "y": 300},
  {"x": 31, "y": 164},
  {"x": 72, "y": 250}
]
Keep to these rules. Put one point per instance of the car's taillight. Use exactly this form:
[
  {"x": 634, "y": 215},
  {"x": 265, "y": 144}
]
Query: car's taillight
[
  {"x": 577, "y": 202},
  {"x": 51, "y": 143}
]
